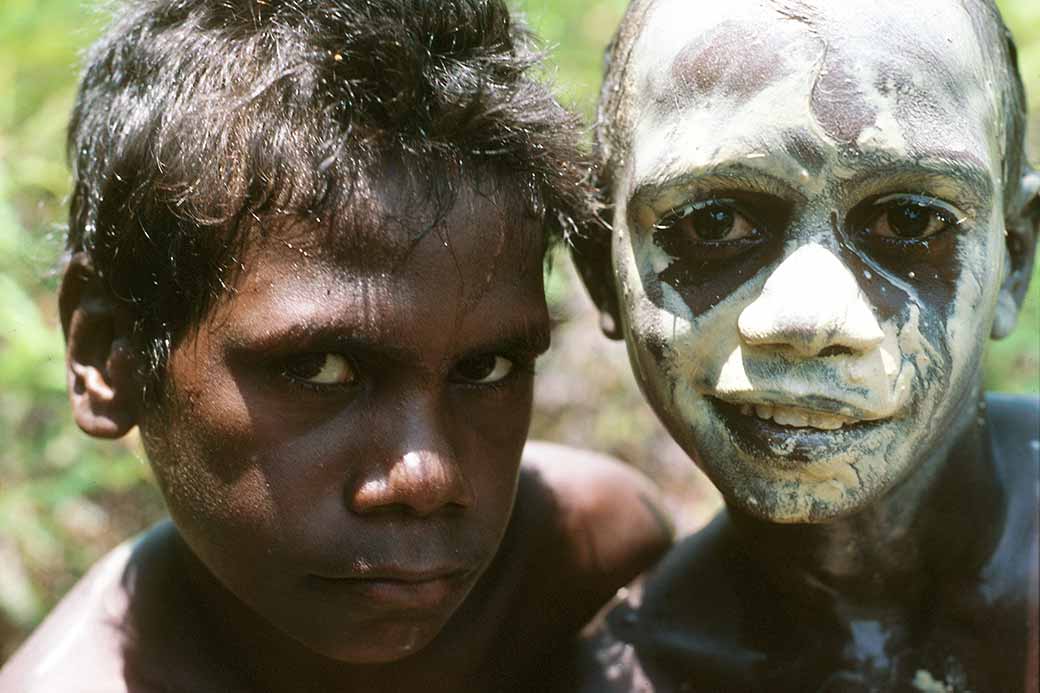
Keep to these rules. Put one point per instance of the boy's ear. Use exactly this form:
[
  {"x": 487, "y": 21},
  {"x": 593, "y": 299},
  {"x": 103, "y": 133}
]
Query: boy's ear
[
  {"x": 1022, "y": 225},
  {"x": 590, "y": 251},
  {"x": 100, "y": 365}
]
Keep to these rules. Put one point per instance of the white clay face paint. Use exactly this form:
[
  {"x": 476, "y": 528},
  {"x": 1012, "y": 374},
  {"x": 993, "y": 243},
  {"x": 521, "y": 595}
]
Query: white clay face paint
[{"x": 851, "y": 391}]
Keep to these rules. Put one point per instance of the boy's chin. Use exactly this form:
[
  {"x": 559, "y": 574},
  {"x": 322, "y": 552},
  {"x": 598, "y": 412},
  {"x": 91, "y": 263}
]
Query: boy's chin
[
  {"x": 782, "y": 503},
  {"x": 376, "y": 643}
]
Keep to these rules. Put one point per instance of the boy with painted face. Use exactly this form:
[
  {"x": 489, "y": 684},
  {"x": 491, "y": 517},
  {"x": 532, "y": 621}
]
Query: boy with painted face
[
  {"x": 821, "y": 212},
  {"x": 307, "y": 241}
]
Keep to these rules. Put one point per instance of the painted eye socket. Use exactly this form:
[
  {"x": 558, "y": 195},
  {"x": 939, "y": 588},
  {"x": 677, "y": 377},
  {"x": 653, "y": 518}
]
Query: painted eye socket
[
  {"x": 710, "y": 221},
  {"x": 909, "y": 217},
  {"x": 484, "y": 369},
  {"x": 320, "y": 369}
]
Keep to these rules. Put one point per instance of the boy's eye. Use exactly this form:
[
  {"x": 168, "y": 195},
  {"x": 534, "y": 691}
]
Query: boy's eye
[
  {"x": 320, "y": 369},
  {"x": 484, "y": 369},
  {"x": 908, "y": 217},
  {"x": 710, "y": 220}
]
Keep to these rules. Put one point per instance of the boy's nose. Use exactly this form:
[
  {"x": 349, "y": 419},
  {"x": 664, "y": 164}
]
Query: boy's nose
[
  {"x": 812, "y": 305},
  {"x": 422, "y": 477}
]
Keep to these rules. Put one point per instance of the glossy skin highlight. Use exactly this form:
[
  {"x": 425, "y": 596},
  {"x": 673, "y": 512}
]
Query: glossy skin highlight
[{"x": 811, "y": 244}]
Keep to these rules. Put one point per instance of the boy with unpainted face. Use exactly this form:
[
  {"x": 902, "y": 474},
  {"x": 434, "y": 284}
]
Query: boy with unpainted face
[{"x": 306, "y": 261}]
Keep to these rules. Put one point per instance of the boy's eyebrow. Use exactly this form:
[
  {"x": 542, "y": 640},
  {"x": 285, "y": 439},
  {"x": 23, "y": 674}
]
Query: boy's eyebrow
[
  {"x": 963, "y": 168},
  {"x": 739, "y": 173},
  {"x": 322, "y": 335},
  {"x": 522, "y": 336},
  {"x": 529, "y": 340}
]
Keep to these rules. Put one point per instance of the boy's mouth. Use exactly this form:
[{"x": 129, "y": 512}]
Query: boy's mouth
[
  {"x": 819, "y": 413},
  {"x": 796, "y": 417},
  {"x": 798, "y": 434},
  {"x": 399, "y": 589}
]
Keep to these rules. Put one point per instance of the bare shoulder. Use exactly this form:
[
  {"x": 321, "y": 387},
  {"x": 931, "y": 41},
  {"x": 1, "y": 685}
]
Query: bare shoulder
[
  {"x": 1015, "y": 426},
  {"x": 612, "y": 516},
  {"x": 129, "y": 626},
  {"x": 584, "y": 525},
  {"x": 78, "y": 647}
]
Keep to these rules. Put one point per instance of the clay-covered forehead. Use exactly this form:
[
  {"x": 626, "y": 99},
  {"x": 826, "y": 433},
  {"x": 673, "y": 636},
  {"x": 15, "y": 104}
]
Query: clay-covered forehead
[{"x": 911, "y": 76}]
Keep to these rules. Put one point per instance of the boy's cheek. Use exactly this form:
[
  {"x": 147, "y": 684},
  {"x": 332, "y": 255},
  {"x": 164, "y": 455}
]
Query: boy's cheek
[
  {"x": 202, "y": 444},
  {"x": 499, "y": 417}
]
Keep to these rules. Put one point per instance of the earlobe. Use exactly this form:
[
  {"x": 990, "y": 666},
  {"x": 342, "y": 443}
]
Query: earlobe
[
  {"x": 1022, "y": 226},
  {"x": 590, "y": 252},
  {"x": 1006, "y": 316},
  {"x": 101, "y": 368}
]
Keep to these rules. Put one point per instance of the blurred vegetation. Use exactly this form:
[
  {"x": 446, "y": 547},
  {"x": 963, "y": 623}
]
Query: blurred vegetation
[{"x": 65, "y": 499}]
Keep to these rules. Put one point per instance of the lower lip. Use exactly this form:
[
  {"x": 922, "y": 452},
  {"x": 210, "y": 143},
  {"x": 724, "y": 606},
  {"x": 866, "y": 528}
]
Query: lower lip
[
  {"x": 761, "y": 438},
  {"x": 391, "y": 593}
]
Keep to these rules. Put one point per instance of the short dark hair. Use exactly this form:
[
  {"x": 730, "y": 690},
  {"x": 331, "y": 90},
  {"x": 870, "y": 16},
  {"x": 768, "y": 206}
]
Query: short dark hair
[
  {"x": 609, "y": 152},
  {"x": 196, "y": 117}
]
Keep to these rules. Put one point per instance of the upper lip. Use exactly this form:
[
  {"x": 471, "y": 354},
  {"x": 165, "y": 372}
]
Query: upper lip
[{"x": 816, "y": 403}]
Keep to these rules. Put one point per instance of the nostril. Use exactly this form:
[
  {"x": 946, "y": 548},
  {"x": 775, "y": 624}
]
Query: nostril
[
  {"x": 835, "y": 350},
  {"x": 418, "y": 483}
]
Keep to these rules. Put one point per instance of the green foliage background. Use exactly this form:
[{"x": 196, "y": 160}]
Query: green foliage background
[{"x": 65, "y": 499}]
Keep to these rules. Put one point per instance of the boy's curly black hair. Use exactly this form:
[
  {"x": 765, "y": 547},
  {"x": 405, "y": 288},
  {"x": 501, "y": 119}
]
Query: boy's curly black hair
[{"x": 196, "y": 118}]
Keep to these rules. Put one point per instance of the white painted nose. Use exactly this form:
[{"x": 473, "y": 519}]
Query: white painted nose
[{"x": 813, "y": 305}]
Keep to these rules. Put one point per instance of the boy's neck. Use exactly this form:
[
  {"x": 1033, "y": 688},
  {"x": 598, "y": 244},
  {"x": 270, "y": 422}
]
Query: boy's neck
[{"x": 944, "y": 519}]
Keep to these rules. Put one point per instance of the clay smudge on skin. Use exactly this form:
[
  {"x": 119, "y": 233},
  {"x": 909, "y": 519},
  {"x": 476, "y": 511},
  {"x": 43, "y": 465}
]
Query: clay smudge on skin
[
  {"x": 695, "y": 344},
  {"x": 733, "y": 60},
  {"x": 972, "y": 299},
  {"x": 829, "y": 418}
]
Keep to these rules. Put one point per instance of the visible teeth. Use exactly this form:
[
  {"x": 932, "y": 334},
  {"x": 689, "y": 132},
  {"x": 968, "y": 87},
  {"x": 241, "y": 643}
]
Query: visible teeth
[
  {"x": 826, "y": 421},
  {"x": 786, "y": 416},
  {"x": 795, "y": 417}
]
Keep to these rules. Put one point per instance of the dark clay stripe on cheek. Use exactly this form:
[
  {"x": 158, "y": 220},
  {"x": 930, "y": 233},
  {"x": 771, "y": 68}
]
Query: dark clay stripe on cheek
[{"x": 705, "y": 281}]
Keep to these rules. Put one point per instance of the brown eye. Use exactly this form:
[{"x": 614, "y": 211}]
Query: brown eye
[
  {"x": 710, "y": 221},
  {"x": 484, "y": 369},
  {"x": 910, "y": 217},
  {"x": 320, "y": 369}
]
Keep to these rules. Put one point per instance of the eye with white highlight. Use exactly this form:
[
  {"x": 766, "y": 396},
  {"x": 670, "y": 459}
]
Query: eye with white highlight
[
  {"x": 485, "y": 369},
  {"x": 905, "y": 217},
  {"x": 711, "y": 221},
  {"x": 321, "y": 369}
]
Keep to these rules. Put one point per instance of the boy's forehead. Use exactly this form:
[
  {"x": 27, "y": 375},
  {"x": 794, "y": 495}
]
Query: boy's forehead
[
  {"x": 376, "y": 267},
  {"x": 387, "y": 217},
  {"x": 847, "y": 57}
]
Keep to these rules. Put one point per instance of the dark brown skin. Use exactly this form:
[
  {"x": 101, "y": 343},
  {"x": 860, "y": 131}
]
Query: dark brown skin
[
  {"x": 139, "y": 622},
  {"x": 339, "y": 444},
  {"x": 918, "y": 569},
  {"x": 853, "y": 605}
]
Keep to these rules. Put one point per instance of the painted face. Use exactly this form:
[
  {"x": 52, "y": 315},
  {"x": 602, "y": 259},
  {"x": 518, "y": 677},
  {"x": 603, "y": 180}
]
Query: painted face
[
  {"x": 342, "y": 438},
  {"x": 809, "y": 244}
]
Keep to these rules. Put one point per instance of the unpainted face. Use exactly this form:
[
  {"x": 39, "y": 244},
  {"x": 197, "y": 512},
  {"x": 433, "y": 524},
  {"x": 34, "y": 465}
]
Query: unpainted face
[
  {"x": 341, "y": 438},
  {"x": 809, "y": 244}
]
